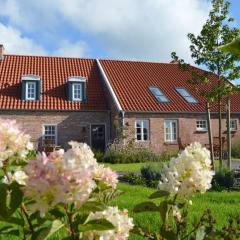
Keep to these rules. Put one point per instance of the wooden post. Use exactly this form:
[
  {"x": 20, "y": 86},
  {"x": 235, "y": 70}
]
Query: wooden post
[
  {"x": 210, "y": 133},
  {"x": 229, "y": 145}
]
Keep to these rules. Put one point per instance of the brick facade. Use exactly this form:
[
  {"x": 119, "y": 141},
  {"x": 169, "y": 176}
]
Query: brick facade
[
  {"x": 186, "y": 129},
  {"x": 70, "y": 125}
]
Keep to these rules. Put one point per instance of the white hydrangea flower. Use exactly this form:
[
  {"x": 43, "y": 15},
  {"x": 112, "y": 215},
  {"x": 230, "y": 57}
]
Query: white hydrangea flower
[
  {"x": 13, "y": 142},
  {"x": 18, "y": 176},
  {"x": 189, "y": 172},
  {"x": 64, "y": 177},
  {"x": 123, "y": 224},
  {"x": 106, "y": 175}
]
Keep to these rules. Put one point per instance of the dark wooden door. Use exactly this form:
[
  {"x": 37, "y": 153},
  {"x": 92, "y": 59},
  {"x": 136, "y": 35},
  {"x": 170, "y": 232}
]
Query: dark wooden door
[{"x": 98, "y": 137}]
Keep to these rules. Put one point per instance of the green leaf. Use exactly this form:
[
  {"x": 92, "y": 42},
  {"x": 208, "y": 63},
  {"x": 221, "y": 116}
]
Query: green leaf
[
  {"x": 48, "y": 231},
  {"x": 3, "y": 201},
  {"x": 16, "y": 197},
  {"x": 159, "y": 194},
  {"x": 13, "y": 220},
  {"x": 163, "y": 210},
  {"x": 98, "y": 225},
  {"x": 233, "y": 47},
  {"x": 168, "y": 235},
  {"x": 93, "y": 206},
  {"x": 146, "y": 207}
]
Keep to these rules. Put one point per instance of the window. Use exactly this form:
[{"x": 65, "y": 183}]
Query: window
[
  {"x": 31, "y": 91},
  {"x": 77, "y": 87},
  {"x": 31, "y": 88},
  {"x": 158, "y": 94},
  {"x": 50, "y": 133},
  {"x": 186, "y": 95},
  {"x": 77, "y": 91},
  {"x": 170, "y": 130},
  {"x": 142, "y": 130},
  {"x": 201, "y": 125},
  {"x": 233, "y": 124}
]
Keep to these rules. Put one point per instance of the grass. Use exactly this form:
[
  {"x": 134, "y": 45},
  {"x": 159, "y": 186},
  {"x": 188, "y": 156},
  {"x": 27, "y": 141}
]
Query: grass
[
  {"x": 126, "y": 167},
  {"x": 222, "y": 204}
]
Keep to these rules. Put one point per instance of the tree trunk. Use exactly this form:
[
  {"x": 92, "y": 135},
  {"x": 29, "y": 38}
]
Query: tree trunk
[
  {"x": 229, "y": 145},
  {"x": 210, "y": 133},
  {"x": 220, "y": 132}
]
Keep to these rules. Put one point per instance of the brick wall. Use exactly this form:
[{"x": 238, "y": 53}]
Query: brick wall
[
  {"x": 186, "y": 129},
  {"x": 70, "y": 125}
]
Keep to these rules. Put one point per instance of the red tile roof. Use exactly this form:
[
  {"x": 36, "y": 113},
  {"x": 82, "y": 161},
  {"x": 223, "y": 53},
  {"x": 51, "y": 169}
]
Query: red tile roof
[
  {"x": 130, "y": 81},
  {"x": 54, "y": 72}
]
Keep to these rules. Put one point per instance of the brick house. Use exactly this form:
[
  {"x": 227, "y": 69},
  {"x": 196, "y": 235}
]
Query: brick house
[{"x": 61, "y": 99}]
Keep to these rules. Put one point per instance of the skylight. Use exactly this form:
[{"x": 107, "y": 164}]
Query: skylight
[
  {"x": 186, "y": 95},
  {"x": 159, "y": 95}
]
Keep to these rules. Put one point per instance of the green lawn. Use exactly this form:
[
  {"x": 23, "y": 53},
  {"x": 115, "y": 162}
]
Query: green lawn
[
  {"x": 222, "y": 204},
  {"x": 126, "y": 167}
]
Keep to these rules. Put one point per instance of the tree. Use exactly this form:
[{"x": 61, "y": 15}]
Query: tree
[{"x": 205, "y": 52}]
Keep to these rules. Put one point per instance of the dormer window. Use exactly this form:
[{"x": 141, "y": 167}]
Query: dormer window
[
  {"x": 77, "y": 89},
  {"x": 186, "y": 95},
  {"x": 31, "y": 88}
]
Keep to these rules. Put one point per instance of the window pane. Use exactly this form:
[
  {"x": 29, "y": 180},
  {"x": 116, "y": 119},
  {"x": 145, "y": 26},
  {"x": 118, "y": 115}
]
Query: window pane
[
  {"x": 170, "y": 130},
  {"x": 186, "y": 95},
  {"x": 77, "y": 91},
  {"x": 160, "y": 96},
  {"x": 142, "y": 130}
]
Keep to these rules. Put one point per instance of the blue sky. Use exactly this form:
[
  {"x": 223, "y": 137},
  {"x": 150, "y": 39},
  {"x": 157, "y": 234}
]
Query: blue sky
[{"x": 127, "y": 29}]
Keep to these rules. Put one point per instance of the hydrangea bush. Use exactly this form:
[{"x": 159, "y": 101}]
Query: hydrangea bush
[{"x": 64, "y": 193}]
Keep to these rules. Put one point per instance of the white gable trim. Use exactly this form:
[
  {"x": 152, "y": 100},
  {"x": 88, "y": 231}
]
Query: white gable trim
[{"x": 109, "y": 86}]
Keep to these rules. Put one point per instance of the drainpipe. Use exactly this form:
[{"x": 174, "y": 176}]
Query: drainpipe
[{"x": 123, "y": 125}]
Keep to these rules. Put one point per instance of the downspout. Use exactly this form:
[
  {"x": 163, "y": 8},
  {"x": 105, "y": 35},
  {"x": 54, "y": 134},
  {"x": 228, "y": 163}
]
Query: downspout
[{"x": 123, "y": 126}]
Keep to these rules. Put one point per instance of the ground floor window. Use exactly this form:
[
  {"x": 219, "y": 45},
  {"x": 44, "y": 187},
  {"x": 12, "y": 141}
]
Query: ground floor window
[
  {"x": 201, "y": 125},
  {"x": 170, "y": 130},
  {"x": 142, "y": 130},
  {"x": 50, "y": 134},
  {"x": 233, "y": 124}
]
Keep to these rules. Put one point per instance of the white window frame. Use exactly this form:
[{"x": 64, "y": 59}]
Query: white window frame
[
  {"x": 142, "y": 132},
  {"x": 236, "y": 125},
  {"x": 73, "y": 91},
  {"x": 27, "y": 87},
  {"x": 172, "y": 140},
  {"x": 56, "y": 132},
  {"x": 201, "y": 128}
]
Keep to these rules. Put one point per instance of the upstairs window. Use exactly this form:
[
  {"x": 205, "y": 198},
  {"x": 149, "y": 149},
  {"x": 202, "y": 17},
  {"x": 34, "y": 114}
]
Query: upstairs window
[
  {"x": 186, "y": 95},
  {"x": 159, "y": 95},
  {"x": 142, "y": 130},
  {"x": 76, "y": 89},
  {"x": 201, "y": 125},
  {"x": 233, "y": 124},
  {"x": 31, "y": 88}
]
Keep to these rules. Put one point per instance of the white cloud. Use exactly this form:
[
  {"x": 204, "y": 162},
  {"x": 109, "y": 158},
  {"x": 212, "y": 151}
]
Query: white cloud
[
  {"x": 68, "y": 49},
  {"x": 15, "y": 43},
  {"x": 138, "y": 29}
]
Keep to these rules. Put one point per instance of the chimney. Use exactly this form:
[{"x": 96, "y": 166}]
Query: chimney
[{"x": 1, "y": 51}]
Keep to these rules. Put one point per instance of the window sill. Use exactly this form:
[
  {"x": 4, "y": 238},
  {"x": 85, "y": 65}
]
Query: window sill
[
  {"x": 170, "y": 143},
  {"x": 201, "y": 130}
]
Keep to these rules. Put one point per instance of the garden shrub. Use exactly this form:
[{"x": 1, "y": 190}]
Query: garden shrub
[
  {"x": 223, "y": 180},
  {"x": 99, "y": 155},
  {"x": 150, "y": 176},
  {"x": 134, "y": 154},
  {"x": 236, "y": 150}
]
